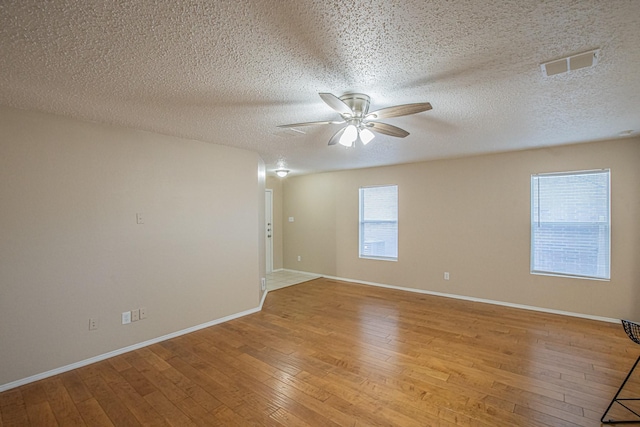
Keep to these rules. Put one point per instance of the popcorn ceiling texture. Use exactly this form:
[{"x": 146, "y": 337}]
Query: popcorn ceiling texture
[{"x": 228, "y": 72}]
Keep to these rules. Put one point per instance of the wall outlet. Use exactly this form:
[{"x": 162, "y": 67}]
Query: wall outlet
[
  {"x": 299, "y": 258},
  {"x": 126, "y": 317},
  {"x": 143, "y": 313},
  {"x": 446, "y": 275},
  {"x": 135, "y": 315},
  {"x": 93, "y": 324},
  {"x": 263, "y": 283}
]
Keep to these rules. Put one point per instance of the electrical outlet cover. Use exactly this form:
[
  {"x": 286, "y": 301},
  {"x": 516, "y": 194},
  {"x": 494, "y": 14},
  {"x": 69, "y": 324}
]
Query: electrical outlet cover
[
  {"x": 135, "y": 315},
  {"x": 126, "y": 317},
  {"x": 143, "y": 313}
]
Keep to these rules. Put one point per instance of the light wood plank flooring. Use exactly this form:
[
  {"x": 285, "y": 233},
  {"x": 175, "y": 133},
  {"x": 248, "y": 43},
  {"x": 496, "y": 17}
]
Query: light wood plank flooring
[{"x": 328, "y": 353}]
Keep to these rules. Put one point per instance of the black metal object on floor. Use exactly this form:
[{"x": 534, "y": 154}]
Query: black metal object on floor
[{"x": 633, "y": 332}]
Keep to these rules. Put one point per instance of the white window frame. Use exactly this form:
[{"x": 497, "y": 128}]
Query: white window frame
[
  {"x": 535, "y": 271},
  {"x": 361, "y": 223}
]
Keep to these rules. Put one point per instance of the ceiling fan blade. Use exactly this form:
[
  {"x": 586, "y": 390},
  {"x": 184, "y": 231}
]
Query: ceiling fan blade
[
  {"x": 336, "y": 137},
  {"x": 387, "y": 129},
  {"x": 295, "y": 125},
  {"x": 336, "y": 103},
  {"x": 399, "y": 110}
]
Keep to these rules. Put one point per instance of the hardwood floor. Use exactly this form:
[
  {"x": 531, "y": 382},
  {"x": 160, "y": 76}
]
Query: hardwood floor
[{"x": 329, "y": 353}]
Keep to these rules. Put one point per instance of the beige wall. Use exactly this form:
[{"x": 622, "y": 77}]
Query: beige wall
[
  {"x": 311, "y": 201},
  {"x": 470, "y": 217},
  {"x": 71, "y": 249},
  {"x": 275, "y": 183}
]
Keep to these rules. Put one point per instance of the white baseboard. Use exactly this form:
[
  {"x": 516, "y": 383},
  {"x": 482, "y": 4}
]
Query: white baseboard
[
  {"x": 76, "y": 365},
  {"x": 482, "y": 300},
  {"x": 127, "y": 349},
  {"x": 264, "y": 296},
  {"x": 306, "y": 273}
]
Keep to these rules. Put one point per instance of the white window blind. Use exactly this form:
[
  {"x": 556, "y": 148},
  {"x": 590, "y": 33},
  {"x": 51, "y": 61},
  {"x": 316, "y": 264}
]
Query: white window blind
[
  {"x": 570, "y": 224},
  {"x": 379, "y": 222}
]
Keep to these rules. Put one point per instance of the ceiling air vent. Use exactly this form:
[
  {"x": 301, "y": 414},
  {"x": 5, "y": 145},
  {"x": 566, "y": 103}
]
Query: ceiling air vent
[{"x": 570, "y": 63}]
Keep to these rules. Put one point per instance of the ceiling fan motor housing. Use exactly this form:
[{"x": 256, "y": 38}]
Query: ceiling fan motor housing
[{"x": 359, "y": 104}]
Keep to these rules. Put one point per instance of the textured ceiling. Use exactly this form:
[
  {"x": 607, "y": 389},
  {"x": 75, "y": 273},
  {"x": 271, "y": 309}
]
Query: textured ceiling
[{"x": 229, "y": 72}]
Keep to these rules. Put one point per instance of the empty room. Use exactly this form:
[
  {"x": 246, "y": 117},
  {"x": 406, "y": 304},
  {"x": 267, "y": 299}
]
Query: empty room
[{"x": 319, "y": 213}]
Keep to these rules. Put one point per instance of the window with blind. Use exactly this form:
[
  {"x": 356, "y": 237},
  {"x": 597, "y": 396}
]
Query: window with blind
[
  {"x": 570, "y": 224},
  {"x": 379, "y": 222}
]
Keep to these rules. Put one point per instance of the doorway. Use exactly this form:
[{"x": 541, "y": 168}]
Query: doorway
[{"x": 268, "y": 226}]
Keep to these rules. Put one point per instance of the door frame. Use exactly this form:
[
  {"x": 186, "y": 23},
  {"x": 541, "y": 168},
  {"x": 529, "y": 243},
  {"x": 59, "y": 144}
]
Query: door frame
[{"x": 268, "y": 205}]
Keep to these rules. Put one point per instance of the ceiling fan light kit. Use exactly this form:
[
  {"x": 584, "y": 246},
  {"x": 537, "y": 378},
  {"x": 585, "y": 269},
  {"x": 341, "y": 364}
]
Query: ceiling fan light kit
[
  {"x": 365, "y": 136},
  {"x": 354, "y": 111},
  {"x": 349, "y": 136}
]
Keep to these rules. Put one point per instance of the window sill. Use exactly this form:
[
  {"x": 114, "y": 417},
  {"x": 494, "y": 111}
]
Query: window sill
[
  {"x": 379, "y": 258},
  {"x": 568, "y": 276}
]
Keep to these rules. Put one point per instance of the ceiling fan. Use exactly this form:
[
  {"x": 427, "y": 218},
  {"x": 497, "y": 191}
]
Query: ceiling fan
[{"x": 354, "y": 110}]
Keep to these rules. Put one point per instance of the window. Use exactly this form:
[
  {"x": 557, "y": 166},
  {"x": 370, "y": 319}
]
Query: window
[
  {"x": 570, "y": 224},
  {"x": 379, "y": 222}
]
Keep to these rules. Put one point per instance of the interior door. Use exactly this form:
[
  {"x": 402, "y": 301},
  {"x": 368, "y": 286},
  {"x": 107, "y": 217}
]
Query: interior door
[{"x": 268, "y": 216}]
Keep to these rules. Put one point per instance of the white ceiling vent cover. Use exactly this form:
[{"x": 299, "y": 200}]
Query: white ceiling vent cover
[{"x": 570, "y": 63}]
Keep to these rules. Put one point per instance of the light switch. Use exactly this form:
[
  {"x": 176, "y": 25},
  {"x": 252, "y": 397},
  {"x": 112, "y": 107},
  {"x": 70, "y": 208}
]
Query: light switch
[
  {"x": 290, "y": 219},
  {"x": 139, "y": 219}
]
